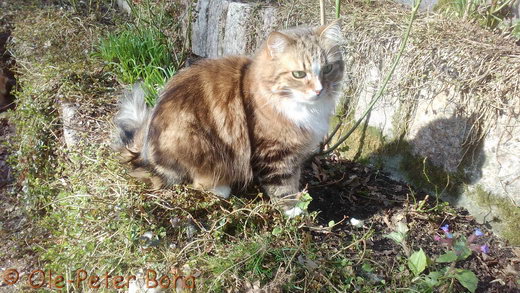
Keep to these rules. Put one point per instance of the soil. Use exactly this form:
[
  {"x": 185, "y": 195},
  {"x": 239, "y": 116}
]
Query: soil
[
  {"x": 343, "y": 190},
  {"x": 7, "y": 78}
]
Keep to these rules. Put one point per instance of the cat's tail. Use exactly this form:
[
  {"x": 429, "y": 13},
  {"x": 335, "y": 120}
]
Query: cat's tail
[{"x": 131, "y": 122}]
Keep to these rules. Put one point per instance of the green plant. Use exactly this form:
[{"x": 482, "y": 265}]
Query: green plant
[
  {"x": 460, "y": 248},
  {"x": 400, "y": 236},
  {"x": 516, "y": 29},
  {"x": 140, "y": 54}
]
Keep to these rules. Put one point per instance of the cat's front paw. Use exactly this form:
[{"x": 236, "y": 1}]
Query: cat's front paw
[
  {"x": 222, "y": 191},
  {"x": 294, "y": 212}
]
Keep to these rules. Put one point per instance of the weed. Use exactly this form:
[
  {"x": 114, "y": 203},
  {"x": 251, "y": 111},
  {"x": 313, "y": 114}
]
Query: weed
[
  {"x": 516, "y": 29},
  {"x": 459, "y": 249}
]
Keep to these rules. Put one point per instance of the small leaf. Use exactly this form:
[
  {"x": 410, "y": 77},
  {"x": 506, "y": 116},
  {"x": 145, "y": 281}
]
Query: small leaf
[
  {"x": 432, "y": 280},
  {"x": 304, "y": 202},
  {"x": 396, "y": 236},
  {"x": 367, "y": 267},
  {"x": 331, "y": 224},
  {"x": 467, "y": 279},
  {"x": 461, "y": 248},
  {"x": 276, "y": 231},
  {"x": 417, "y": 262},
  {"x": 449, "y": 256}
]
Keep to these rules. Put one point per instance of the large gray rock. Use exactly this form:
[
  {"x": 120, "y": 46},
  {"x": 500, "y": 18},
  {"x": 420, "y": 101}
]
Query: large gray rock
[
  {"x": 455, "y": 102},
  {"x": 446, "y": 127},
  {"x": 224, "y": 27}
]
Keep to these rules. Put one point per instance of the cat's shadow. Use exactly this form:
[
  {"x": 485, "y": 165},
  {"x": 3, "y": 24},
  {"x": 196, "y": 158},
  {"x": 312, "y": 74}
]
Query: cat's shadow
[{"x": 345, "y": 189}]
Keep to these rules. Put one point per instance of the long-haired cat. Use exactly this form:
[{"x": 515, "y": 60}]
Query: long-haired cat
[{"x": 224, "y": 122}]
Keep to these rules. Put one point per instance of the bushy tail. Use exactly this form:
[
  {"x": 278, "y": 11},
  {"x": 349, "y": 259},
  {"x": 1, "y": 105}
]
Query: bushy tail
[{"x": 131, "y": 119}]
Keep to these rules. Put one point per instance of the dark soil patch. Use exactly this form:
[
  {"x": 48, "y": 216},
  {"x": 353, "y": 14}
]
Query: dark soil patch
[
  {"x": 344, "y": 190},
  {"x": 7, "y": 78}
]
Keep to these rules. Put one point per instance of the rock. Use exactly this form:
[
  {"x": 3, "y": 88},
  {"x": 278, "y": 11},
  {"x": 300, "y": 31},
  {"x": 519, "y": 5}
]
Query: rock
[
  {"x": 215, "y": 32},
  {"x": 444, "y": 127},
  {"x": 124, "y": 6},
  {"x": 68, "y": 113},
  {"x": 501, "y": 170}
]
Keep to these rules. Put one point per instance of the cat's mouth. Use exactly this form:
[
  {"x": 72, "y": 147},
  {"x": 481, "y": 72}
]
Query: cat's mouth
[
  {"x": 309, "y": 98},
  {"x": 301, "y": 97}
]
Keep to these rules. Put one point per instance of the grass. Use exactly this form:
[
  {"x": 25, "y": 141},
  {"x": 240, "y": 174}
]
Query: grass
[
  {"x": 140, "y": 54},
  {"x": 516, "y": 29}
]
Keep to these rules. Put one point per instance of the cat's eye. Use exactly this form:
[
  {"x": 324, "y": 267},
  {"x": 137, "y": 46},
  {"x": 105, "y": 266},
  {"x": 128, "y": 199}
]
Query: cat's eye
[
  {"x": 299, "y": 74},
  {"x": 326, "y": 69}
]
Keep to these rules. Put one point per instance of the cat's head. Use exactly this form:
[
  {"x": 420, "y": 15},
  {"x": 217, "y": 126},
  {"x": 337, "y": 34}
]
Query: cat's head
[{"x": 303, "y": 64}]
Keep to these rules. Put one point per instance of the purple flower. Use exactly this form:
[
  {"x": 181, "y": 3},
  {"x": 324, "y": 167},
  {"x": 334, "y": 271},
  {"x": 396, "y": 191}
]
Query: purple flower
[
  {"x": 484, "y": 248},
  {"x": 478, "y": 232},
  {"x": 446, "y": 228}
]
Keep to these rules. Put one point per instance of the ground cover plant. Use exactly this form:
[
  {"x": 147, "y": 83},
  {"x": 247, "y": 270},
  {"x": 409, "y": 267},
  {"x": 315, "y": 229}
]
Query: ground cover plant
[{"x": 364, "y": 231}]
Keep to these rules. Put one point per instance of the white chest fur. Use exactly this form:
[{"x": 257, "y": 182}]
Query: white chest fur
[{"x": 314, "y": 117}]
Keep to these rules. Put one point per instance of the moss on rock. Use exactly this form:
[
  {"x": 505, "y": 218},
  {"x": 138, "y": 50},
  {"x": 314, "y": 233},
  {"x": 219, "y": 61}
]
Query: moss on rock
[{"x": 507, "y": 217}]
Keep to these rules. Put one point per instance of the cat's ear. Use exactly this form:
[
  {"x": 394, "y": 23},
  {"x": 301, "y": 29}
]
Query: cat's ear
[
  {"x": 330, "y": 32},
  {"x": 277, "y": 43}
]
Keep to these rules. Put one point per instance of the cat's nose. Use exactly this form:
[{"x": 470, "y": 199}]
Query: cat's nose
[{"x": 317, "y": 87}]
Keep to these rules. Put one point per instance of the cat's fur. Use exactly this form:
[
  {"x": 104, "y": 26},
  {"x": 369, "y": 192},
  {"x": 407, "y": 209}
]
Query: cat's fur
[{"x": 223, "y": 122}]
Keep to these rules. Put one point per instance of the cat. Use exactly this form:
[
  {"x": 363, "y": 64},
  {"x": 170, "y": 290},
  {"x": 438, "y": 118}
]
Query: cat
[{"x": 224, "y": 122}]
